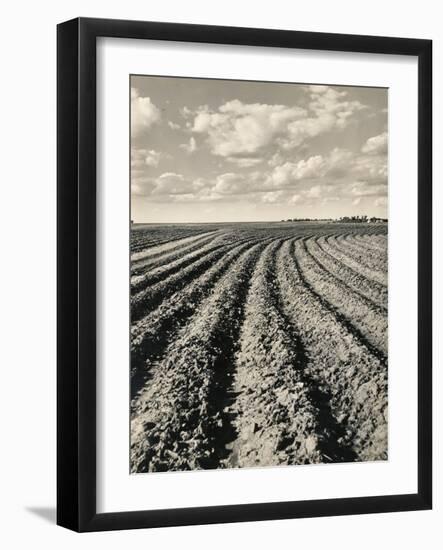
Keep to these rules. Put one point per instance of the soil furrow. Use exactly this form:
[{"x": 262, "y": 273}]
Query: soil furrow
[
  {"x": 177, "y": 418},
  {"x": 258, "y": 345},
  {"x": 343, "y": 367},
  {"x": 369, "y": 320},
  {"x": 280, "y": 414},
  {"x": 377, "y": 275},
  {"x": 153, "y": 276},
  {"x": 162, "y": 258},
  {"x": 378, "y": 248},
  {"x": 350, "y": 325},
  {"x": 143, "y": 240},
  {"x": 151, "y": 335},
  {"x": 151, "y": 297},
  {"x": 370, "y": 261},
  {"x": 373, "y": 291},
  {"x": 367, "y": 241},
  {"x": 370, "y": 256},
  {"x": 157, "y": 249}
]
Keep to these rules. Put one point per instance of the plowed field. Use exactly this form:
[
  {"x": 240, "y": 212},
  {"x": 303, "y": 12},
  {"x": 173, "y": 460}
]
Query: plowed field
[{"x": 258, "y": 345}]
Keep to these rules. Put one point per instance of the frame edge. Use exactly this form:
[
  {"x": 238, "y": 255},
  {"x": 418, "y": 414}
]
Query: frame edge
[
  {"x": 67, "y": 278},
  {"x": 76, "y": 384},
  {"x": 424, "y": 359}
]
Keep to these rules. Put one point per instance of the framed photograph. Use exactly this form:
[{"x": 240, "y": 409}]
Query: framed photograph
[{"x": 244, "y": 274}]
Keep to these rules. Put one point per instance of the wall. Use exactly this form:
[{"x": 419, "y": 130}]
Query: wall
[{"x": 27, "y": 218}]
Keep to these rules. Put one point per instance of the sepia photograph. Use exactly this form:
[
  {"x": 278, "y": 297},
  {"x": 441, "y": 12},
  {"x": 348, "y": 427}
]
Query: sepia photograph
[{"x": 258, "y": 274}]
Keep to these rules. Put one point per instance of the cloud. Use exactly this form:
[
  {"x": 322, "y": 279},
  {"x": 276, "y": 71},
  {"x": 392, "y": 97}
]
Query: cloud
[
  {"x": 137, "y": 158},
  {"x": 339, "y": 165},
  {"x": 240, "y": 129},
  {"x": 338, "y": 175},
  {"x": 185, "y": 112},
  {"x": 377, "y": 145},
  {"x": 289, "y": 172},
  {"x": 328, "y": 110},
  {"x": 189, "y": 147},
  {"x": 335, "y": 165},
  {"x": 152, "y": 158},
  {"x": 276, "y": 159},
  {"x": 317, "y": 89},
  {"x": 230, "y": 184},
  {"x": 244, "y": 162},
  {"x": 361, "y": 189},
  {"x": 173, "y": 125},
  {"x": 171, "y": 183},
  {"x": 168, "y": 183},
  {"x": 177, "y": 187},
  {"x": 171, "y": 186},
  {"x": 141, "y": 185},
  {"x": 330, "y": 198},
  {"x": 314, "y": 192},
  {"x": 140, "y": 158},
  {"x": 143, "y": 113},
  {"x": 381, "y": 201},
  {"x": 370, "y": 168},
  {"x": 272, "y": 197}
]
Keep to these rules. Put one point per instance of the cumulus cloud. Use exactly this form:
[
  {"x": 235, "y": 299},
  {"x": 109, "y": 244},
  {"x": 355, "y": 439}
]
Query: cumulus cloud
[
  {"x": 314, "y": 192},
  {"x": 230, "y": 184},
  {"x": 240, "y": 129},
  {"x": 338, "y": 163},
  {"x": 329, "y": 101},
  {"x": 167, "y": 184},
  {"x": 177, "y": 187},
  {"x": 152, "y": 158},
  {"x": 140, "y": 158},
  {"x": 377, "y": 145},
  {"x": 189, "y": 147},
  {"x": 328, "y": 110},
  {"x": 185, "y": 112},
  {"x": 315, "y": 89},
  {"x": 253, "y": 151},
  {"x": 143, "y": 113},
  {"x": 361, "y": 189},
  {"x": 272, "y": 196},
  {"x": 338, "y": 175},
  {"x": 141, "y": 185},
  {"x": 171, "y": 183},
  {"x": 313, "y": 167},
  {"x": 244, "y": 162},
  {"x": 371, "y": 168},
  {"x": 381, "y": 201},
  {"x": 276, "y": 159}
]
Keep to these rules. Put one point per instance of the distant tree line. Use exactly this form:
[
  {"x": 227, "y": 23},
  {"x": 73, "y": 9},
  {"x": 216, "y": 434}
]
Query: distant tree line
[
  {"x": 343, "y": 219},
  {"x": 360, "y": 219},
  {"x": 308, "y": 220}
]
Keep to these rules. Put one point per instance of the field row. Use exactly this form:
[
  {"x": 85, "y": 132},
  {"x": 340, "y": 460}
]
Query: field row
[{"x": 259, "y": 346}]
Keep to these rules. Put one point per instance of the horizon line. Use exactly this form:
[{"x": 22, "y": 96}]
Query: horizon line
[{"x": 291, "y": 220}]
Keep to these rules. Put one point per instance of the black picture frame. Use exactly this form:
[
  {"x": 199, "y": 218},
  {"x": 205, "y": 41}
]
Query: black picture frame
[{"x": 76, "y": 280}]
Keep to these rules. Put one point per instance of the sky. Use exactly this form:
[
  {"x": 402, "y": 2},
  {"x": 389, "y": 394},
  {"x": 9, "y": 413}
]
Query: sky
[{"x": 223, "y": 150}]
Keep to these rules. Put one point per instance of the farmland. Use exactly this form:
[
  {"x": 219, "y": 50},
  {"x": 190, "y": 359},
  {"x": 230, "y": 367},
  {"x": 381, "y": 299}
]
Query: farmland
[{"x": 258, "y": 344}]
